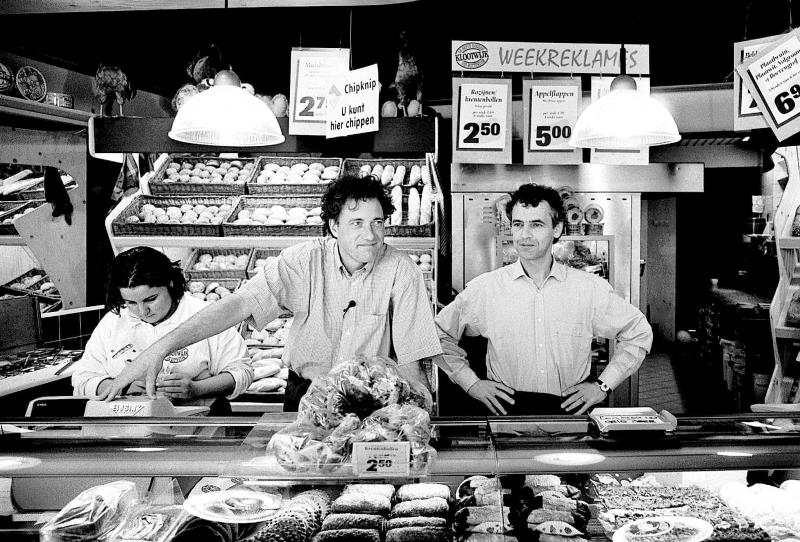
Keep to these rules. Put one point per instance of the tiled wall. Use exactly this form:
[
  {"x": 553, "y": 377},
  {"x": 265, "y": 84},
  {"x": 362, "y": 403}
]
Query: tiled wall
[{"x": 70, "y": 330}]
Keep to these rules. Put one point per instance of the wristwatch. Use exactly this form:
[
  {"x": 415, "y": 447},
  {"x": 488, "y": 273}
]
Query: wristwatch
[{"x": 603, "y": 386}]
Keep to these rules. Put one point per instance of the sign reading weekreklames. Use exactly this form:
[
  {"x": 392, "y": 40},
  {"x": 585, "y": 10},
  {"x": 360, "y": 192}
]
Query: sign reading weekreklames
[
  {"x": 564, "y": 58},
  {"x": 551, "y": 108},
  {"x": 628, "y": 157},
  {"x": 746, "y": 115},
  {"x": 313, "y": 72},
  {"x": 482, "y": 121},
  {"x": 773, "y": 79},
  {"x": 353, "y": 103}
]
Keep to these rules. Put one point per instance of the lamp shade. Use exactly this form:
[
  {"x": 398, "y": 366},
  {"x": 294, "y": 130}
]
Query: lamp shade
[
  {"x": 228, "y": 116},
  {"x": 624, "y": 119}
]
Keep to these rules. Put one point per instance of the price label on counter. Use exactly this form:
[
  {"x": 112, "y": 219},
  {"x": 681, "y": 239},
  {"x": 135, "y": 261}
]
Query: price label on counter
[
  {"x": 313, "y": 73},
  {"x": 551, "y": 110},
  {"x": 381, "y": 459},
  {"x": 482, "y": 130},
  {"x": 773, "y": 79}
]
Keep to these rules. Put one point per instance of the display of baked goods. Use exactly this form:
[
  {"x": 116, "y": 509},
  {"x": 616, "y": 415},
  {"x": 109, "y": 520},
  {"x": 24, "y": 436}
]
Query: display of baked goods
[
  {"x": 150, "y": 523},
  {"x": 211, "y": 290},
  {"x": 392, "y": 175},
  {"x": 278, "y": 215},
  {"x": 361, "y": 400},
  {"x": 297, "y": 173},
  {"x": 31, "y": 83},
  {"x": 235, "y": 505},
  {"x": 9, "y": 219},
  {"x": 422, "y": 258},
  {"x": 624, "y": 504},
  {"x": 185, "y": 214},
  {"x": 774, "y": 509},
  {"x": 297, "y": 520},
  {"x": 220, "y": 262},
  {"x": 664, "y": 529},
  {"x": 273, "y": 335},
  {"x": 208, "y": 170}
]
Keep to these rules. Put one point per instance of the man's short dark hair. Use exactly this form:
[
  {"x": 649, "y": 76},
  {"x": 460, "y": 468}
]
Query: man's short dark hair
[
  {"x": 532, "y": 194},
  {"x": 351, "y": 187}
]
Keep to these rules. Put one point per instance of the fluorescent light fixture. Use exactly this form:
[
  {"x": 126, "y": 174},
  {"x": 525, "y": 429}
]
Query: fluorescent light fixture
[
  {"x": 145, "y": 449},
  {"x": 570, "y": 459},
  {"x": 624, "y": 118},
  {"x": 10, "y": 463},
  {"x": 226, "y": 115},
  {"x": 731, "y": 453}
]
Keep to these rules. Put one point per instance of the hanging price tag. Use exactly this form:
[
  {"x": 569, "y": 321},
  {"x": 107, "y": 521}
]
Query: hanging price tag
[
  {"x": 551, "y": 110},
  {"x": 482, "y": 126},
  {"x": 772, "y": 77},
  {"x": 313, "y": 73},
  {"x": 746, "y": 115},
  {"x": 381, "y": 459}
]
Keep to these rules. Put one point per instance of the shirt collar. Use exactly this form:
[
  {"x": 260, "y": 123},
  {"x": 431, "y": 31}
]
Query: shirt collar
[
  {"x": 558, "y": 271},
  {"x": 333, "y": 245}
]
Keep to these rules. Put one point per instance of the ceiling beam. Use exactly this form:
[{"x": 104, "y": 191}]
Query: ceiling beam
[{"x": 18, "y": 7}]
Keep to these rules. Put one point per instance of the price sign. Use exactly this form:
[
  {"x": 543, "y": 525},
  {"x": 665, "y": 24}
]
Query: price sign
[
  {"x": 551, "y": 110},
  {"x": 746, "y": 115},
  {"x": 773, "y": 79},
  {"x": 313, "y": 73},
  {"x": 381, "y": 459},
  {"x": 635, "y": 157},
  {"x": 482, "y": 126},
  {"x": 353, "y": 103}
]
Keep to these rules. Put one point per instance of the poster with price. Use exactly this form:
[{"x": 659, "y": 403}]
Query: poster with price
[
  {"x": 381, "y": 459},
  {"x": 628, "y": 157},
  {"x": 746, "y": 115},
  {"x": 482, "y": 121},
  {"x": 313, "y": 72},
  {"x": 773, "y": 79},
  {"x": 551, "y": 108}
]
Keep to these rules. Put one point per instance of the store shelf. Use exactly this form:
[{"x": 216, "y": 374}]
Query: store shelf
[
  {"x": 249, "y": 241},
  {"x": 11, "y": 240},
  {"x": 139, "y": 134},
  {"x": 27, "y": 109}
]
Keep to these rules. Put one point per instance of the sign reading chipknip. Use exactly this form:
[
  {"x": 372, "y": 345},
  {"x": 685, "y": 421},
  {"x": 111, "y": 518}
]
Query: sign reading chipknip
[
  {"x": 566, "y": 58},
  {"x": 353, "y": 103}
]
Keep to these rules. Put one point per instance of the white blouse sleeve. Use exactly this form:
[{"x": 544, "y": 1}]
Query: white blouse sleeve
[
  {"x": 92, "y": 368},
  {"x": 229, "y": 354}
]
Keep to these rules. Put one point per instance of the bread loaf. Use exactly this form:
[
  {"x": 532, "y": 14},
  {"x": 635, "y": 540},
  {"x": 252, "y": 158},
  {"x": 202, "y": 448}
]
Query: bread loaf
[{"x": 397, "y": 200}]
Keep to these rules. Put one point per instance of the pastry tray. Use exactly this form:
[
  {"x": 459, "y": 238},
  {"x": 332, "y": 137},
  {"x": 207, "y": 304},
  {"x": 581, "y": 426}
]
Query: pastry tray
[{"x": 632, "y": 419}]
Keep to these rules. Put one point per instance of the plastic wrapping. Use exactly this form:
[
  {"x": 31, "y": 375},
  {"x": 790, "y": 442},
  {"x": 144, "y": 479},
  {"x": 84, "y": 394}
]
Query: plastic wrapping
[
  {"x": 149, "y": 523},
  {"x": 362, "y": 400},
  {"x": 92, "y": 514}
]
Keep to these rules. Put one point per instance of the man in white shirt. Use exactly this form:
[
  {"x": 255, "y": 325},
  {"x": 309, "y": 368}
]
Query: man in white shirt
[{"x": 539, "y": 317}]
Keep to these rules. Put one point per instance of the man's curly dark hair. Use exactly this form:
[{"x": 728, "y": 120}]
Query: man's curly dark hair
[
  {"x": 351, "y": 187},
  {"x": 531, "y": 194}
]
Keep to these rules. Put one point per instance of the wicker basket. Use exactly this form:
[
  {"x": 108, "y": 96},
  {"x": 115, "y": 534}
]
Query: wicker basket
[
  {"x": 254, "y": 187},
  {"x": 159, "y": 187},
  {"x": 32, "y": 289},
  {"x": 255, "y": 255},
  {"x": 427, "y": 274},
  {"x": 239, "y": 273},
  {"x": 120, "y": 227},
  {"x": 352, "y": 166},
  {"x": 250, "y": 202},
  {"x": 230, "y": 284},
  {"x": 9, "y": 208}
]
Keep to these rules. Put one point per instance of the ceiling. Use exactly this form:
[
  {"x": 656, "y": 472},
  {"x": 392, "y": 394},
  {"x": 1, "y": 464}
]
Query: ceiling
[{"x": 690, "y": 41}]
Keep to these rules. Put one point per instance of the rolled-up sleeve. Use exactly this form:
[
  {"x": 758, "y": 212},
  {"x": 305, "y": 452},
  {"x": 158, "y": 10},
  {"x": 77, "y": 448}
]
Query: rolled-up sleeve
[
  {"x": 414, "y": 334},
  {"x": 229, "y": 354},
  {"x": 452, "y": 322},
  {"x": 277, "y": 289},
  {"x": 616, "y": 319}
]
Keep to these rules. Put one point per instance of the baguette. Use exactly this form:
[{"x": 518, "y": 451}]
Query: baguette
[
  {"x": 387, "y": 175},
  {"x": 426, "y": 205},
  {"x": 415, "y": 176},
  {"x": 413, "y": 207},
  {"x": 399, "y": 175},
  {"x": 397, "y": 200},
  {"x": 425, "y": 174}
]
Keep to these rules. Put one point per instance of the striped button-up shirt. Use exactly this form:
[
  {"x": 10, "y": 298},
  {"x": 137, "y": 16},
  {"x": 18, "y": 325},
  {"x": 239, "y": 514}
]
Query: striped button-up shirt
[
  {"x": 539, "y": 339},
  {"x": 381, "y": 309}
]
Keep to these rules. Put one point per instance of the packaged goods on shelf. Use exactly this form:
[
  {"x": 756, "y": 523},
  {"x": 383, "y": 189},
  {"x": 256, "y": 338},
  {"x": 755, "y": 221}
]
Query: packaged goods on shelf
[
  {"x": 33, "y": 282},
  {"x": 199, "y": 174},
  {"x": 208, "y": 263},
  {"x": 174, "y": 216},
  {"x": 294, "y": 175}
]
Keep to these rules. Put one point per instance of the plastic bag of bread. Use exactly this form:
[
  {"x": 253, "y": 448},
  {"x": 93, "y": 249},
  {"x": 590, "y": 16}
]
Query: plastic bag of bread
[
  {"x": 301, "y": 447},
  {"x": 92, "y": 514},
  {"x": 398, "y": 423}
]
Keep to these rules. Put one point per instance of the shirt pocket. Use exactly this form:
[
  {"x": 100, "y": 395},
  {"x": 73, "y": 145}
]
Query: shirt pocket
[{"x": 572, "y": 350}]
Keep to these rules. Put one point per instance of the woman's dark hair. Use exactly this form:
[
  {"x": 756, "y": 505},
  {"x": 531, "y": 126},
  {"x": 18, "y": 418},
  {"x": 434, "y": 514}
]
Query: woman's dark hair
[
  {"x": 143, "y": 266},
  {"x": 531, "y": 195},
  {"x": 350, "y": 187}
]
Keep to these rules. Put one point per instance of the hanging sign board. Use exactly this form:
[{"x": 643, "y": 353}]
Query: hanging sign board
[
  {"x": 482, "y": 121},
  {"x": 551, "y": 109},
  {"x": 313, "y": 71},
  {"x": 773, "y": 79},
  {"x": 353, "y": 103},
  {"x": 628, "y": 157},
  {"x": 746, "y": 115},
  {"x": 564, "y": 58}
]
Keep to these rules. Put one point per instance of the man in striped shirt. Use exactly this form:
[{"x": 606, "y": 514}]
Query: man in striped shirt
[
  {"x": 539, "y": 317},
  {"x": 350, "y": 294}
]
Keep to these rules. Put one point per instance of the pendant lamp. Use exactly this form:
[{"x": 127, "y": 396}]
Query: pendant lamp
[
  {"x": 226, "y": 115},
  {"x": 624, "y": 118}
]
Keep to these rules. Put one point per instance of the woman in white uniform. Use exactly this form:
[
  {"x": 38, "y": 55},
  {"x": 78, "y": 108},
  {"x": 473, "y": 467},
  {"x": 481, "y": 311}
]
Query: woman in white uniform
[{"x": 146, "y": 300}]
